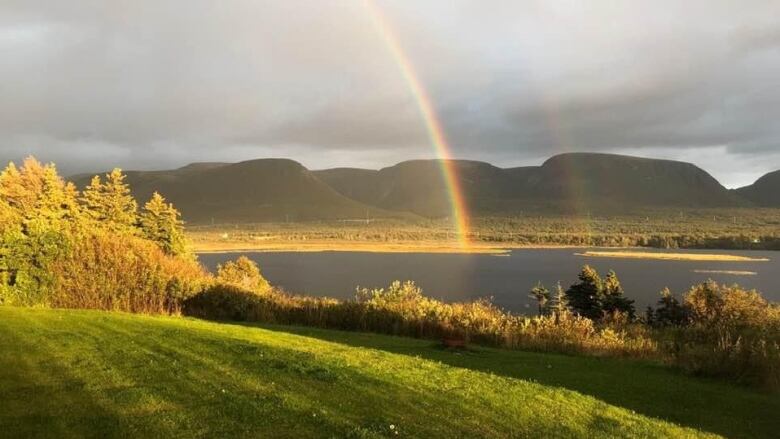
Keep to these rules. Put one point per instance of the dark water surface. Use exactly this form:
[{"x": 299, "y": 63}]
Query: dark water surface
[{"x": 460, "y": 277}]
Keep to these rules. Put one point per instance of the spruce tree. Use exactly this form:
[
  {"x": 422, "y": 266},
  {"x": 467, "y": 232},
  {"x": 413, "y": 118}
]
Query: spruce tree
[
  {"x": 11, "y": 187},
  {"x": 560, "y": 304},
  {"x": 161, "y": 223},
  {"x": 670, "y": 311},
  {"x": 8, "y": 216},
  {"x": 613, "y": 299},
  {"x": 586, "y": 297},
  {"x": 38, "y": 212},
  {"x": 92, "y": 198},
  {"x": 36, "y": 193},
  {"x": 111, "y": 203}
]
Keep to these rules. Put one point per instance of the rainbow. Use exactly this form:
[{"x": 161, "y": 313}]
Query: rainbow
[{"x": 436, "y": 134}]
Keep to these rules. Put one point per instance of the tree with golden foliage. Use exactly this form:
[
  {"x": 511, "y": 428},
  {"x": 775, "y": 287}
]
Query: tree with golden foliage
[
  {"x": 111, "y": 203},
  {"x": 243, "y": 273},
  {"x": 56, "y": 251},
  {"x": 161, "y": 222}
]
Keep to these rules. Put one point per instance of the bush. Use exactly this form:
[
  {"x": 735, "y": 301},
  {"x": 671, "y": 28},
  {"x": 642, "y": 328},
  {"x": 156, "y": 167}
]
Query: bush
[
  {"x": 123, "y": 273},
  {"x": 222, "y": 301},
  {"x": 729, "y": 332},
  {"x": 242, "y": 273}
]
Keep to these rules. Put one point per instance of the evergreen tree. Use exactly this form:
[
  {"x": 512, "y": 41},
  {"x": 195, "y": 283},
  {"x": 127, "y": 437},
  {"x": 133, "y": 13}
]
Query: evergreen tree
[
  {"x": 670, "y": 311},
  {"x": 594, "y": 297},
  {"x": 586, "y": 297},
  {"x": 560, "y": 304},
  {"x": 12, "y": 190},
  {"x": 38, "y": 210},
  {"x": 649, "y": 316},
  {"x": 37, "y": 195},
  {"x": 8, "y": 216},
  {"x": 613, "y": 299},
  {"x": 161, "y": 223},
  {"x": 542, "y": 296},
  {"x": 58, "y": 200},
  {"x": 92, "y": 198},
  {"x": 111, "y": 203}
]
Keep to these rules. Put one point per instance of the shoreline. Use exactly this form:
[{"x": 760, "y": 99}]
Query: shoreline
[
  {"x": 444, "y": 248},
  {"x": 371, "y": 247},
  {"x": 670, "y": 256},
  {"x": 639, "y": 253}
]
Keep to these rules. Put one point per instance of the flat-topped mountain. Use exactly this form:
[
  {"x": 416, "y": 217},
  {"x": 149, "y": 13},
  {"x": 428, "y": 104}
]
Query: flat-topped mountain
[
  {"x": 256, "y": 190},
  {"x": 618, "y": 180},
  {"x": 284, "y": 190},
  {"x": 417, "y": 186},
  {"x": 764, "y": 192},
  {"x": 563, "y": 182}
]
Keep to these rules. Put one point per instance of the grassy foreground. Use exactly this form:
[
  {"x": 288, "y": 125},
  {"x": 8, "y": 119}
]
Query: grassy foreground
[{"x": 93, "y": 374}]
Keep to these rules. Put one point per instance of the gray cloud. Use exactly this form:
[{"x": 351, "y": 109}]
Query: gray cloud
[{"x": 155, "y": 84}]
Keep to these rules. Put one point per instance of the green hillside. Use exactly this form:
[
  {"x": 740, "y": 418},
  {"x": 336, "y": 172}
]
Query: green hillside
[{"x": 93, "y": 374}]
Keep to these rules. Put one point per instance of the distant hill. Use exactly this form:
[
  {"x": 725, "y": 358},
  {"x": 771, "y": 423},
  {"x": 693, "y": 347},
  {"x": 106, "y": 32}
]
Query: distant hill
[
  {"x": 564, "y": 182},
  {"x": 281, "y": 189},
  {"x": 764, "y": 192},
  {"x": 257, "y": 190},
  {"x": 417, "y": 186},
  {"x": 615, "y": 181}
]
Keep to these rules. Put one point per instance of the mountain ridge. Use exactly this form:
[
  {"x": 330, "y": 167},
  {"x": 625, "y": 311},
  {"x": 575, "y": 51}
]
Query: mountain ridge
[
  {"x": 278, "y": 189},
  {"x": 764, "y": 192},
  {"x": 247, "y": 191}
]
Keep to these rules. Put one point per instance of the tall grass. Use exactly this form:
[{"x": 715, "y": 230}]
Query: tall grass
[
  {"x": 402, "y": 309},
  {"x": 739, "y": 341}
]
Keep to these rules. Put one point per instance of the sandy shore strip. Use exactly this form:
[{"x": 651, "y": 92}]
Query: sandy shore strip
[
  {"x": 729, "y": 272},
  {"x": 697, "y": 257},
  {"x": 371, "y": 247}
]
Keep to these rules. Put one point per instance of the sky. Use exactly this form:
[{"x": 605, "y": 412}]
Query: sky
[{"x": 157, "y": 84}]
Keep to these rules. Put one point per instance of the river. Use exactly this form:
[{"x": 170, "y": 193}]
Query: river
[{"x": 506, "y": 278}]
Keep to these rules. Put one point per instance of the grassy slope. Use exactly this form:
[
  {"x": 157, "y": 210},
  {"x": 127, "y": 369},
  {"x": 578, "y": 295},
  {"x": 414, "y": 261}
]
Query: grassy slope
[{"x": 79, "y": 373}]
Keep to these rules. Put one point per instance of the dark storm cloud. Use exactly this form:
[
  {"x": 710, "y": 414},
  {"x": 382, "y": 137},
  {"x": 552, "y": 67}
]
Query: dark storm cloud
[{"x": 154, "y": 84}]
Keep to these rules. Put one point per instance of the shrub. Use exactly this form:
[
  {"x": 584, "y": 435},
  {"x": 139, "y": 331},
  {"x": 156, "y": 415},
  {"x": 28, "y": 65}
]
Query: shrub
[
  {"x": 242, "y": 273},
  {"x": 123, "y": 273},
  {"x": 402, "y": 309},
  {"x": 728, "y": 332},
  {"x": 222, "y": 301}
]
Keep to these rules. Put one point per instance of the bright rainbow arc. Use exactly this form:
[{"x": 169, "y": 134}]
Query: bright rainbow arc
[{"x": 433, "y": 126}]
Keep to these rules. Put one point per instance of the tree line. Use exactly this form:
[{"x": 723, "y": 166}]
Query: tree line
[{"x": 55, "y": 239}]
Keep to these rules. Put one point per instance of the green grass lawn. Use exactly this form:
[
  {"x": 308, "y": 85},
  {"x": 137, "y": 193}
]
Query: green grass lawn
[{"x": 93, "y": 374}]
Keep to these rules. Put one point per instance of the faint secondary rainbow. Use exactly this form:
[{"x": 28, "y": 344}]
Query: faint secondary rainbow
[{"x": 436, "y": 134}]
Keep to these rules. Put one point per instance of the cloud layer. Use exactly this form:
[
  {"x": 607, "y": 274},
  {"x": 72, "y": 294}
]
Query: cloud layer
[{"x": 155, "y": 84}]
